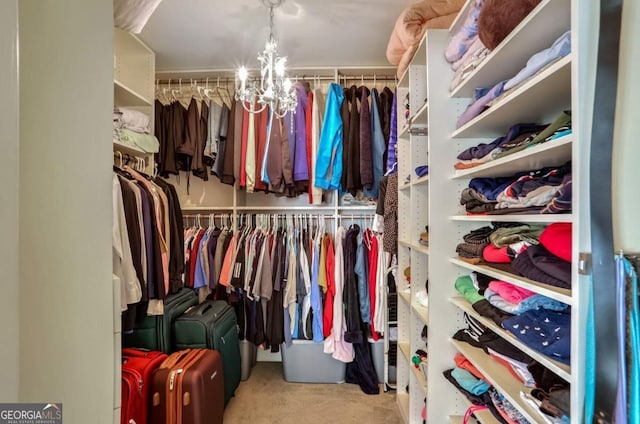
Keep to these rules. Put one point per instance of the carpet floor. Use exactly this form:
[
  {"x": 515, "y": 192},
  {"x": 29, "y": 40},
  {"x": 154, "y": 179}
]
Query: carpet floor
[{"x": 267, "y": 398}]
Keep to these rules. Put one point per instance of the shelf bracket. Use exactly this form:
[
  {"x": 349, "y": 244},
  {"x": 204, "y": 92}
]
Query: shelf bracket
[{"x": 584, "y": 263}]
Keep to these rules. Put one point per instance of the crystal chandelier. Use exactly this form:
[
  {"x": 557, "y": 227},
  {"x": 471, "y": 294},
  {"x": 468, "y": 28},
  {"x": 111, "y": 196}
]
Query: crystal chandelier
[{"x": 274, "y": 89}]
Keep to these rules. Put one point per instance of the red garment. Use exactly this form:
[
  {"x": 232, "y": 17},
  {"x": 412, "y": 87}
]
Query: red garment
[
  {"x": 195, "y": 251},
  {"x": 262, "y": 122},
  {"x": 308, "y": 127},
  {"x": 327, "y": 321},
  {"x": 373, "y": 273},
  {"x": 243, "y": 148},
  {"x": 462, "y": 362}
]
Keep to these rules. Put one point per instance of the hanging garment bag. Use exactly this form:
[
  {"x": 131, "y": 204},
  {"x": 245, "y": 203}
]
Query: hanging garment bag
[
  {"x": 213, "y": 325},
  {"x": 188, "y": 388},
  {"x": 138, "y": 367},
  {"x": 154, "y": 333}
]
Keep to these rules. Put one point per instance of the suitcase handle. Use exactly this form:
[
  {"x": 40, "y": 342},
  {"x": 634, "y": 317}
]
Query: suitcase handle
[{"x": 206, "y": 307}]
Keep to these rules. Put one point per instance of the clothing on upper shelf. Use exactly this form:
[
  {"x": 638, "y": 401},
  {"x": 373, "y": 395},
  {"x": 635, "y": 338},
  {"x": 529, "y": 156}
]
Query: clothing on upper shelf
[
  {"x": 131, "y": 128},
  {"x": 532, "y": 192},
  {"x": 484, "y": 96}
]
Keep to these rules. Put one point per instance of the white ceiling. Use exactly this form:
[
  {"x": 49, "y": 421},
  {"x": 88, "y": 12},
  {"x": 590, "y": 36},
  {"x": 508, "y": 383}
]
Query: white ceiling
[{"x": 224, "y": 34}]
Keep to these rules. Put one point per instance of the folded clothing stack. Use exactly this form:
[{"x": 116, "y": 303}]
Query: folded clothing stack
[
  {"x": 484, "y": 28},
  {"x": 518, "y": 137},
  {"x": 546, "y": 190},
  {"x": 486, "y": 97},
  {"x": 549, "y": 392},
  {"x": 542, "y": 254},
  {"x": 131, "y": 127}
]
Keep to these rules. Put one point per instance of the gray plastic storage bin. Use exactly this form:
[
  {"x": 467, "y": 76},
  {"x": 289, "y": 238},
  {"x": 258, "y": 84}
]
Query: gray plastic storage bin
[
  {"x": 249, "y": 357},
  {"x": 377, "y": 356},
  {"x": 305, "y": 362}
]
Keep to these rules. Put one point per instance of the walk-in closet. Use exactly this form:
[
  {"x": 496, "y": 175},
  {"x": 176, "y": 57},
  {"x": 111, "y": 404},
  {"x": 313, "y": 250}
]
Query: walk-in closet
[{"x": 312, "y": 212}]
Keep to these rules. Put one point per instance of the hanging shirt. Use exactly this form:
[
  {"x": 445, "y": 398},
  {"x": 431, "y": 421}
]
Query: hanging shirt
[
  {"x": 322, "y": 270},
  {"x": 361, "y": 269},
  {"x": 243, "y": 146},
  {"x": 330, "y": 148},
  {"x": 378, "y": 146},
  {"x": 250, "y": 165},
  {"x": 316, "y": 297},
  {"x": 308, "y": 136},
  {"x": 366, "y": 148},
  {"x": 300, "y": 168},
  {"x": 373, "y": 275},
  {"x": 335, "y": 343},
  {"x": 316, "y": 125},
  {"x": 327, "y": 321},
  {"x": 381, "y": 292},
  {"x": 130, "y": 291}
]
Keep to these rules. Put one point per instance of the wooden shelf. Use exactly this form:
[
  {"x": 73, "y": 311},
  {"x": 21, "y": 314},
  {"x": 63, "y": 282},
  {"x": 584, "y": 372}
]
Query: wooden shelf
[
  {"x": 420, "y": 248},
  {"x": 500, "y": 378},
  {"x": 421, "y": 311},
  {"x": 552, "y": 153},
  {"x": 404, "y": 131},
  {"x": 405, "y": 348},
  {"x": 125, "y": 96},
  {"x": 405, "y": 296},
  {"x": 352, "y": 207},
  {"x": 403, "y": 406},
  {"x": 551, "y": 87},
  {"x": 422, "y": 180},
  {"x": 404, "y": 186},
  {"x": 524, "y": 41},
  {"x": 484, "y": 416},
  {"x": 538, "y": 218},
  {"x": 422, "y": 382},
  {"x": 561, "y": 370},
  {"x": 404, "y": 243},
  {"x": 421, "y": 117},
  {"x": 557, "y": 293}
]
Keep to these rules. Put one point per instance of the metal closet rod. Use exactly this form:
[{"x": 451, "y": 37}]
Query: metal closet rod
[
  {"x": 213, "y": 81},
  {"x": 304, "y": 215}
]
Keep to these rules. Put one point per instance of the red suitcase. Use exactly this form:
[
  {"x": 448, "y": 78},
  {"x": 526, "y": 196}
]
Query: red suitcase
[
  {"x": 138, "y": 367},
  {"x": 188, "y": 388}
]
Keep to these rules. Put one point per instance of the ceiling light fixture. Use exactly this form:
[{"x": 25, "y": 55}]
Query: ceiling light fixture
[{"x": 274, "y": 89}]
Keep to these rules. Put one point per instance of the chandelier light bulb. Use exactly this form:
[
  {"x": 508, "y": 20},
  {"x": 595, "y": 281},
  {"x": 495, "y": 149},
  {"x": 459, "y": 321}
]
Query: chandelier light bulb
[
  {"x": 280, "y": 66},
  {"x": 243, "y": 73},
  {"x": 287, "y": 85}
]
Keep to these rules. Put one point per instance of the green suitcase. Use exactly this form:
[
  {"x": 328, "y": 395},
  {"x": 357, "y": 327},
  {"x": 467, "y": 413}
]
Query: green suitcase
[
  {"x": 155, "y": 332},
  {"x": 213, "y": 325}
]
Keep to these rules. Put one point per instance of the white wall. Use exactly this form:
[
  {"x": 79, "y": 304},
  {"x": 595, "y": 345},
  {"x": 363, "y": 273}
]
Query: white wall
[
  {"x": 626, "y": 169},
  {"x": 9, "y": 348},
  {"x": 66, "y": 312}
]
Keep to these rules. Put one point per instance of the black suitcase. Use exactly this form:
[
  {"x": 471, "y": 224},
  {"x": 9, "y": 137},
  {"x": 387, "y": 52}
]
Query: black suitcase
[{"x": 213, "y": 325}]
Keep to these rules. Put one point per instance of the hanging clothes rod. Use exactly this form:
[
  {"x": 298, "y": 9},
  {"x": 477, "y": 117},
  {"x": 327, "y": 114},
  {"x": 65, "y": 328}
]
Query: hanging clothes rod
[{"x": 213, "y": 81}]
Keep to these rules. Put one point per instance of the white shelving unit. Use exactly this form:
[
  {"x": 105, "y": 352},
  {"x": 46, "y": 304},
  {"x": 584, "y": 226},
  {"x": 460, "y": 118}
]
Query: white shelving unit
[
  {"x": 133, "y": 76},
  {"x": 434, "y": 201},
  {"x": 413, "y": 200}
]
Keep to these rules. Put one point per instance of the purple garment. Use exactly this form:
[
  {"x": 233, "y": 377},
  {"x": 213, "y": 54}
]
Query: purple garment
[
  {"x": 300, "y": 167},
  {"x": 147, "y": 220},
  {"x": 483, "y": 97},
  {"x": 560, "y": 48},
  {"x": 392, "y": 157},
  {"x": 466, "y": 35},
  {"x": 483, "y": 149}
]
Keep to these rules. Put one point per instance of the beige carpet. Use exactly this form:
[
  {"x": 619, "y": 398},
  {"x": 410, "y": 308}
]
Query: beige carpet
[{"x": 266, "y": 398}]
